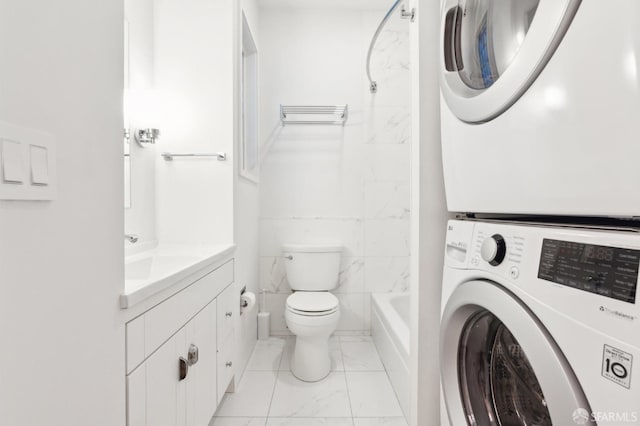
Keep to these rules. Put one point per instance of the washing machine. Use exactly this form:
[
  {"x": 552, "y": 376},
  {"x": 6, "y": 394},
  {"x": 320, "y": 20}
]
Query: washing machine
[
  {"x": 540, "y": 106},
  {"x": 540, "y": 326}
]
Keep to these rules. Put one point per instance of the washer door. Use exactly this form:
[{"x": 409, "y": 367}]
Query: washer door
[
  {"x": 493, "y": 50},
  {"x": 501, "y": 367}
]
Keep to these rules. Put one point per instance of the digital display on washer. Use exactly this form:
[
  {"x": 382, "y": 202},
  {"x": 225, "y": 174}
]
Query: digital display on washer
[{"x": 607, "y": 271}]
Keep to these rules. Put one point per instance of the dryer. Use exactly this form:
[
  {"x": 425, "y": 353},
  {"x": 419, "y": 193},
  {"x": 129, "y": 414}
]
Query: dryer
[
  {"x": 540, "y": 326},
  {"x": 540, "y": 106}
]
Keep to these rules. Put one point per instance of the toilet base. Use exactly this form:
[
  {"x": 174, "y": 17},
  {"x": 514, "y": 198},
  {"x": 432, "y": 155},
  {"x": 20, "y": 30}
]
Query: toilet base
[{"x": 311, "y": 360}]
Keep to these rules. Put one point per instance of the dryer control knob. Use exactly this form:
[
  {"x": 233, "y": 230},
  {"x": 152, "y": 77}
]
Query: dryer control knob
[{"x": 493, "y": 249}]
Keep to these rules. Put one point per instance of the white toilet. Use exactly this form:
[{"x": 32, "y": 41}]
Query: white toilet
[{"x": 312, "y": 313}]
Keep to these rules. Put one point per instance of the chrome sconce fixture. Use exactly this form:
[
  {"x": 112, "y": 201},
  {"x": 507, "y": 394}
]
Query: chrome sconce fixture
[{"x": 144, "y": 136}]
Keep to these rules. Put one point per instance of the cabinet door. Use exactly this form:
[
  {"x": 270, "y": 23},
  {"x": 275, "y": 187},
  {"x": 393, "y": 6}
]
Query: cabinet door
[
  {"x": 226, "y": 368},
  {"x": 166, "y": 393},
  {"x": 228, "y": 312},
  {"x": 201, "y": 381},
  {"x": 136, "y": 397}
]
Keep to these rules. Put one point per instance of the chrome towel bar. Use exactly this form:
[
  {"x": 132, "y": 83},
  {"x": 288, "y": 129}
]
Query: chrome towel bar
[
  {"x": 338, "y": 114},
  {"x": 221, "y": 156}
]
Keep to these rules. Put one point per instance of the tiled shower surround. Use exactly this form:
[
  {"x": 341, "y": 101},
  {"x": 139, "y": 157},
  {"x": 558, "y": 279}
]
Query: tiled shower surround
[{"x": 331, "y": 183}]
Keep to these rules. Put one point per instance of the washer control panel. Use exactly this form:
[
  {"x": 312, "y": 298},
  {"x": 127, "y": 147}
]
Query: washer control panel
[{"x": 607, "y": 271}]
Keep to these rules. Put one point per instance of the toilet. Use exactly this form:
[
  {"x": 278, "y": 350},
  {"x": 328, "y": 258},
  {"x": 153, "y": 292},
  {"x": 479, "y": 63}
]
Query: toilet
[{"x": 312, "y": 313}]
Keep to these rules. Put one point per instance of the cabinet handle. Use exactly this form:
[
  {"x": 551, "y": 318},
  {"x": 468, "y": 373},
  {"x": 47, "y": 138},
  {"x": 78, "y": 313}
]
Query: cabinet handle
[
  {"x": 183, "y": 369},
  {"x": 229, "y": 314},
  {"x": 228, "y": 364},
  {"x": 192, "y": 355}
]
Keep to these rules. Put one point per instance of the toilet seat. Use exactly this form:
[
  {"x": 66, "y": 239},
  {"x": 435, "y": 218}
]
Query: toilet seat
[{"x": 312, "y": 303}]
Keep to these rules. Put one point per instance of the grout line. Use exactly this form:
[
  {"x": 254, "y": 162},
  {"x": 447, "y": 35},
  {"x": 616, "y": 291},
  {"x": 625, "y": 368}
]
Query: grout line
[
  {"x": 384, "y": 370},
  {"x": 346, "y": 382},
  {"x": 281, "y": 353},
  {"x": 391, "y": 383},
  {"x": 286, "y": 342},
  {"x": 273, "y": 392}
]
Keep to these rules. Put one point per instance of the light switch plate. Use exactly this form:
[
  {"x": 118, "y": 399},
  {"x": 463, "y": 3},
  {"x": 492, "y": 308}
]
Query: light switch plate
[
  {"x": 39, "y": 165},
  {"x": 33, "y": 176},
  {"x": 12, "y": 162}
]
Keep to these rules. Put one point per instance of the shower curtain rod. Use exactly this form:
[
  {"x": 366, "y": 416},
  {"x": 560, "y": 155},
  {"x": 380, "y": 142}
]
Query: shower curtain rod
[{"x": 373, "y": 86}]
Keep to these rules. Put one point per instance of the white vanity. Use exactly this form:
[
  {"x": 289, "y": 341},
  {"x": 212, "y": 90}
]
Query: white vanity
[
  {"x": 180, "y": 303},
  {"x": 181, "y": 308}
]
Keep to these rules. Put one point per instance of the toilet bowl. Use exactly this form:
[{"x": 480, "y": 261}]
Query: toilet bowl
[
  {"x": 312, "y": 327},
  {"x": 312, "y": 312}
]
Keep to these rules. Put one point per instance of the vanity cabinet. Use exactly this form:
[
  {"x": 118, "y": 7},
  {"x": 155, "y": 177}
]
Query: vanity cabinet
[
  {"x": 227, "y": 314},
  {"x": 180, "y": 353},
  {"x": 168, "y": 399}
]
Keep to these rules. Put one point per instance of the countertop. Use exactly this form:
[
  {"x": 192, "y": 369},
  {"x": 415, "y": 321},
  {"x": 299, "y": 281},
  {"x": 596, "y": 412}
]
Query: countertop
[{"x": 166, "y": 265}]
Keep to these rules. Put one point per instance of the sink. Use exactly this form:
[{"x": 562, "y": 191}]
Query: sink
[
  {"x": 156, "y": 266},
  {"x": 167, "y": 265},
  {"x": 138, "y": 270}
]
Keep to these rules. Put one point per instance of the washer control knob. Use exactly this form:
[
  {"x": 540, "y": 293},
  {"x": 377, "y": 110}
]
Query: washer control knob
[{"x": 493, "y": 249}]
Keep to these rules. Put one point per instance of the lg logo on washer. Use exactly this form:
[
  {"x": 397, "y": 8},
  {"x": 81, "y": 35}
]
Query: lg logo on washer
[{"x": 582, "y": 417}]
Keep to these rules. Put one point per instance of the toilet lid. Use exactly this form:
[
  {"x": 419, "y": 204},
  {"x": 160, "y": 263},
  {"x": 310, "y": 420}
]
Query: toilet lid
[{"x": 312, "y": 301}]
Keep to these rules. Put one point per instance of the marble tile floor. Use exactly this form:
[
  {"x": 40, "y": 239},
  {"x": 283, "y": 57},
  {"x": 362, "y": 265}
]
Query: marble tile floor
[{"x": 357, "y": 392}]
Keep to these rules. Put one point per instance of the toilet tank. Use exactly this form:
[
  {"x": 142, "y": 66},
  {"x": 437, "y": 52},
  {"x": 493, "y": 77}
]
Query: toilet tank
[{"x": 312, "y": 267}]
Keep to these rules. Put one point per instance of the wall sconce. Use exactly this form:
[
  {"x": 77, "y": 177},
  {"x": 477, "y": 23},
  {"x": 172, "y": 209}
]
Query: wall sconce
[{"x": 146, "y": 136}]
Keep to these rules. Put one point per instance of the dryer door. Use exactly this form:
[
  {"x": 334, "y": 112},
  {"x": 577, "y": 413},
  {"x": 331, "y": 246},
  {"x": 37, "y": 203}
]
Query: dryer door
[
  {"x": 500, "y": 366},
  {"x": 493, "y": 50}
]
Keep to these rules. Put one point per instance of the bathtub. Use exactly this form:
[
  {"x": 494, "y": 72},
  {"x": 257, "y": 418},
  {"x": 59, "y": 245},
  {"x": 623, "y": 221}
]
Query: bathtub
[{"x": 390, "y": 331}]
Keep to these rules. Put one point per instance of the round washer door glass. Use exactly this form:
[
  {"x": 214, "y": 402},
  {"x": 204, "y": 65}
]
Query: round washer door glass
[
  {"x": 498, "y": 384},
  {"x": 507, "y": 370},
  {"x": 493, "y": 50},
  {"x": 491, "y": 33}
]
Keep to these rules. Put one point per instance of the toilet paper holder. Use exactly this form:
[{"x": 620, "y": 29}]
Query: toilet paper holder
[
  {"x": 243, "y": 303},
  {"x": 247, "y": 300}
]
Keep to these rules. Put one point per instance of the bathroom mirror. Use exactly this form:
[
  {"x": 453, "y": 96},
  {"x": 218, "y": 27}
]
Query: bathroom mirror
[
  {"x": 249, "y": 159},
  {"x": 126, "y": 132}
]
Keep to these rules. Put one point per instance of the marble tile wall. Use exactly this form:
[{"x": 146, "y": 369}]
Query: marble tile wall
[{"x": 350, "y": 184}]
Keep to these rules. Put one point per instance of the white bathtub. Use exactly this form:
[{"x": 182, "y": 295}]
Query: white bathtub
[{"x": 390, "y": 330}]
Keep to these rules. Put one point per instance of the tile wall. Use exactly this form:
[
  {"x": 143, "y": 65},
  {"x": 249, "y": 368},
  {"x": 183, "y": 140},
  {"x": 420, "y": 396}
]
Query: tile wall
[{"x": 327, "y": 184}]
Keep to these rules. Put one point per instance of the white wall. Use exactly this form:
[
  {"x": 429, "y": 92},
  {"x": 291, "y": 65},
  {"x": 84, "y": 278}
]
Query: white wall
[
  {"x": 428, "y": 225},
  {"x": 187, "y": 56},
  {"x": 246, "y": 208},
  {"x": 62, "y": 358},
  {"x": 181, "y": 82},
  {"x": 140, "y": 218},
  {"x": 349, "y": 184},
  {"x": 194, "y": 74}
]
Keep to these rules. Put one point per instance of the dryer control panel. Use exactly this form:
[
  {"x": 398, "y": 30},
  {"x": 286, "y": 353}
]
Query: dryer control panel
[{"x": 607, "y": 271}]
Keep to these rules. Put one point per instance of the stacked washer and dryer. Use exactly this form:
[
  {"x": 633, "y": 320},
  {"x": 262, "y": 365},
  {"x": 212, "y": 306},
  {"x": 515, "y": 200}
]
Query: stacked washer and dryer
[{"x": 540, "y": 119}]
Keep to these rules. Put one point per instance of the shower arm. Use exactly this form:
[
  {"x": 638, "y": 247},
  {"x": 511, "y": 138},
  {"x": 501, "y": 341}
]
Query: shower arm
[{"x": 373, "y": 86}]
